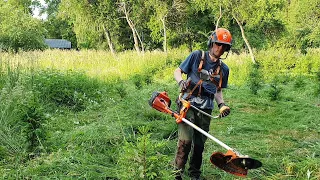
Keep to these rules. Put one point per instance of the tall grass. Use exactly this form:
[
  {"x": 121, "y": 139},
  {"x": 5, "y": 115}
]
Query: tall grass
[{"x": 84, "y": 115}]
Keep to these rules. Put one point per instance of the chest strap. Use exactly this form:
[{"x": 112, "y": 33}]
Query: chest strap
[
  {"x": 218, "y": 71},
  {"x": 202, "y": 61}
]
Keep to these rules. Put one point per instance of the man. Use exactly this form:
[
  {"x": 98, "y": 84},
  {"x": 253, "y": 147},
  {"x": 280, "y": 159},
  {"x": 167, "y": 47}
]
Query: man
[{"x": 206, "y": 71}]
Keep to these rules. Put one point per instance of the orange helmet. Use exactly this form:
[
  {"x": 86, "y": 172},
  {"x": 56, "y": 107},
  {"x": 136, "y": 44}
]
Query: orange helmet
[{"x": 221, "y": 35}]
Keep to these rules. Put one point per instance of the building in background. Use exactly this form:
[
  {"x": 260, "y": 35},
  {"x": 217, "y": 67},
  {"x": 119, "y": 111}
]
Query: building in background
[{"x": 58, "y": 43}]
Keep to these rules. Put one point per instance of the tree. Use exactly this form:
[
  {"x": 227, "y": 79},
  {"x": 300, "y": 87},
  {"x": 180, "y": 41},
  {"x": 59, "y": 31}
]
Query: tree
[
  {"x": 158, "y": 21},
  {"x": 78, "y": 13},
  {"x": 58, "y": 28},
  {"x": 189, "y": 24},
  {"x": 24, "y": 5},
  {"x": 303, "y": 24},
  {"x": 94, "y": 22},
  {"x": 127, "y": 8},
  {"x": 19, "y": 30}
]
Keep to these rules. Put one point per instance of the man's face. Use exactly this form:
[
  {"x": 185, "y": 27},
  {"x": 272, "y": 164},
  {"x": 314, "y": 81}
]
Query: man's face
[{"x": 218, "y": 49}]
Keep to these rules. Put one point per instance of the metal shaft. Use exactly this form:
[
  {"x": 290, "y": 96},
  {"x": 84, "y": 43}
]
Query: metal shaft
[
  {"x": 206, "y": 134},
  {"x": 214, "y": 117}
]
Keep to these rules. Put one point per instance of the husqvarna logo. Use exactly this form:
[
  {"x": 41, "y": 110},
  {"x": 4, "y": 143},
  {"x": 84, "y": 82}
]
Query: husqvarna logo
[{"x": 225, "y": 36}]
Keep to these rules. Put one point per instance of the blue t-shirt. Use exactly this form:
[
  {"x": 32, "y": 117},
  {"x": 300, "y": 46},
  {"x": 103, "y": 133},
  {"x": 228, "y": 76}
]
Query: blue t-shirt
[{"x": 190, "y": 67}]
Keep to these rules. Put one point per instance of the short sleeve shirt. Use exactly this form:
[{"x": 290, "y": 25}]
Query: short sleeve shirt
[{"x": 190, "y": 67}]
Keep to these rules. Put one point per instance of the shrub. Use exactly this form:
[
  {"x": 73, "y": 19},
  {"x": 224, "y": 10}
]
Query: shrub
[
  {"x": 32, "y": 127},
  {"x": 70, "y": 89},
  {"x": 299, "y": 82},
  {"x": 137, "y": 80},
  {"x": 120, "y": 88},
  {"x": 20, "y": 118},
  {"x": 144, "y": 159},
  {"x": 275, "y": 90},
  {"x": 255, "y": 79},
  {"x": 318, "y": 82}
]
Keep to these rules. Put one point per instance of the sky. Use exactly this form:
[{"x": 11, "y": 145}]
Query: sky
[{"x": 37, "y": 10}]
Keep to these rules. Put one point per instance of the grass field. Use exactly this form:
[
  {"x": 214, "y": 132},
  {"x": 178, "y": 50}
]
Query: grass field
[{"x": 85, "y": 115}]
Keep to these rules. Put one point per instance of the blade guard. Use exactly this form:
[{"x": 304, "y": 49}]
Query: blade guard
[{"x": 233, "y": 164}]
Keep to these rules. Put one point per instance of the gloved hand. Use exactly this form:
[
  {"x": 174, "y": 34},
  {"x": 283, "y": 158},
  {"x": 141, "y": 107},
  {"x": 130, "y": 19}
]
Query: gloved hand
[
  {"x": 224, "y": 110},
  {"x": 183, "y": 85}
]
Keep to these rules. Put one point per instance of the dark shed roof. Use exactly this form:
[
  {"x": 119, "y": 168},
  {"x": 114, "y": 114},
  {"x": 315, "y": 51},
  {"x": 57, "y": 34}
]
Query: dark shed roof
[{"x": 58, "y": 43}]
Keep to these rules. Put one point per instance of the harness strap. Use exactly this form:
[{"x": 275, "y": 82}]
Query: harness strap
[
  {"x": 218, "y": 71},
  {"x": 218, "y": 85},
  {"x": 202, "y": 61},
  {"x": 194, "y": 88}
]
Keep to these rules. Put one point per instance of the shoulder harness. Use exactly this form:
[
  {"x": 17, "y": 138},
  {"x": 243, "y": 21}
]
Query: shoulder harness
[{"x": 217, "y": 73}]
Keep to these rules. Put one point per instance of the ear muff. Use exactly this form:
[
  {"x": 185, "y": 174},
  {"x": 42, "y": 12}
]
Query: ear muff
[
  {"x": 228, "y": 49},
  {"x": 211, "y": 39},
  {"x": 209, "y": 43}
]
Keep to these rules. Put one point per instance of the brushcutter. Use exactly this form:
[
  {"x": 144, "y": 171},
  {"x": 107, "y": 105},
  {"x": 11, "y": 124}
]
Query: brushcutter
[{"x": 232, "y": 161}]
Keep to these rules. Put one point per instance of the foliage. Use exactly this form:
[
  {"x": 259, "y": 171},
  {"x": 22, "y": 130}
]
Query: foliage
[
  {"x": 124, "y": 138},
  {"x": 12, "y": 106},
  {"x": 302, "y": 35},
  {"x": 255, "y": 79},
  {"x": 318, "y": 80},
  {"x": 275, "y": 90},
  {"x": 163, "y": 25},
  {"x": 32, "y": 121},
  {"x": 19, "y": 30},
  {"x": 57, "y": 28},
  {"x": 70, "y": 89},
  {"x": 144, "y": 159},
  {"x": 22, "y": 117}
]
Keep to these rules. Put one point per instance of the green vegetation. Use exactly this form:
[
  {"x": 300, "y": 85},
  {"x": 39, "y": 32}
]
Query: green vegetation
[
  {"x": 85, "y": 115},
  {"x": 142, "y": 25},
  {"x": 18, "y": 30}
]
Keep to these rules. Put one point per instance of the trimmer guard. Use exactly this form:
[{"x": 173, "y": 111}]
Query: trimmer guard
[{"x": 231, "y": 163}]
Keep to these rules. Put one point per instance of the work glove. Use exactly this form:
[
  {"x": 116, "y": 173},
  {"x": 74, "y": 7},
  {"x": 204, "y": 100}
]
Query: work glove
[
  {"x": 224, "y": 110},
  {"x": 183, "y": 85}
]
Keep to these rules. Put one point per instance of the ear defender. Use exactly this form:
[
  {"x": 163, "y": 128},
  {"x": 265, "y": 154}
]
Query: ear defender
[
  {"x": 209, "y": 43},
  {"x": 211, "y": 40}
]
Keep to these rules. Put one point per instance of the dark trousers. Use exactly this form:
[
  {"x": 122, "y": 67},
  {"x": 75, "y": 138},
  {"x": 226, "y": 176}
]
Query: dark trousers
[{"x": 191, "y": 140}]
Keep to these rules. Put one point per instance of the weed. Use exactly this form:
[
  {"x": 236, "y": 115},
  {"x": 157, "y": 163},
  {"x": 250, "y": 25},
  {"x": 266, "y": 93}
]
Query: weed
[
  {"x": 148, "y": 78},
  {"x": 137, "y": 80},
  {"x": 299, "y": 82},
  {"x": 143, "y": 159},
  {"x": 121, "y": 89},
  {"x": 70, "y": 89},
  {"x": 255, "y": 79},
  {"x": 3, "y": 152},
  {"x": 274, "y": 92},
  {"x": 317, "y": 91},
  {"x": 32, "y": 122}
]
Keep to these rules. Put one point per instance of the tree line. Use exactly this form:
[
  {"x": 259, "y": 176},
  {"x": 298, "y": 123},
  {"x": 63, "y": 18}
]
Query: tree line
[{"x": 119, "y": 25}]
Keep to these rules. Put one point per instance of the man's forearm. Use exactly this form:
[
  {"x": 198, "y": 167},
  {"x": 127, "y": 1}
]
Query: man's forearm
[{"x": 178, "y": 75}]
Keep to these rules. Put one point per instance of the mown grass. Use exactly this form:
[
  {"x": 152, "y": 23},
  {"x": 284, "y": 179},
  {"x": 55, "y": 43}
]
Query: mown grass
[{"x": 103, "y": 128}]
